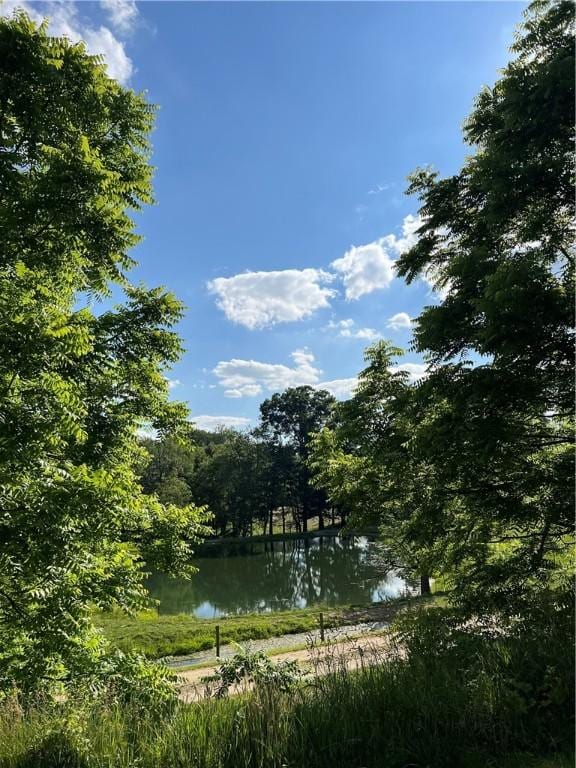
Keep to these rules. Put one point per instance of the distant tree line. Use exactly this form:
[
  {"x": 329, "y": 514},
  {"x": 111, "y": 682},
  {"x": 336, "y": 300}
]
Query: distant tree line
[{"x": 249, "y": 479}]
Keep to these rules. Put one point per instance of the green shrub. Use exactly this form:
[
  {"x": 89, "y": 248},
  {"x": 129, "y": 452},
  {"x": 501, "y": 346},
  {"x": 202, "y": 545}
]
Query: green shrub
[{"x": 258, "y": 669}]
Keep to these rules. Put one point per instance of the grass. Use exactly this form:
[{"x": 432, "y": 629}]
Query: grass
[
  {"x": 181, "y": 635},
  {"x": 451, "y": 697},
  {"x": 276, "y": 536},
  {"x": 311, "y": 533},
  {"x": 524, "y": 760},
  {"x": 157, "y": 636},
  {"x": 448, "y": 710}
]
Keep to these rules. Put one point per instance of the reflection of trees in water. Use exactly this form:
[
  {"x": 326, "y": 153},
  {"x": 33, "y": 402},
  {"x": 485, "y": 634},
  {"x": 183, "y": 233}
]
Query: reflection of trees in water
[
  {"x": 402, "y": 579},
  {"x": 253, "y": 577}
]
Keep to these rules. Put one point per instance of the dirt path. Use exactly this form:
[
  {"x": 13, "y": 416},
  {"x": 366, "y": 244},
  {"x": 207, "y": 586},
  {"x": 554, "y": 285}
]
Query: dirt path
[
  {"x": 272, "y": 645},
  {"x": 351, "y": 653},
  {"x": 353, "y": 621}
]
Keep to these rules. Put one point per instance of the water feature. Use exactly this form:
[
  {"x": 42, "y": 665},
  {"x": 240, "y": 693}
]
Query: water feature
[{"x": 254, "y": 577}]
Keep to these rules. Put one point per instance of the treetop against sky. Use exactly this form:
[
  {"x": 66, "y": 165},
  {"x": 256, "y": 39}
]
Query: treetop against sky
[{"x": 283, "y": 140}]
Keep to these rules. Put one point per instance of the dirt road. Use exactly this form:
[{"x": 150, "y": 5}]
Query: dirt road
[{"x": 352, "y": 653}]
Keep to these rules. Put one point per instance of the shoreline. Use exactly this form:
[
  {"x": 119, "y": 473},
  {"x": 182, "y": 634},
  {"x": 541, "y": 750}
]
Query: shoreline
[
  {"x": 263, "y": 538},
  {"x": 181, "y": 635}
]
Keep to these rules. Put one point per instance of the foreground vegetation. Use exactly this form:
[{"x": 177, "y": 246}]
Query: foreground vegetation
[{"x": 458, "y": 698}]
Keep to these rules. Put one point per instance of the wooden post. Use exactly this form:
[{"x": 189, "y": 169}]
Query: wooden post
[
  {"x": 217, "y": 640},
  {"x": 321, "y": 626}
]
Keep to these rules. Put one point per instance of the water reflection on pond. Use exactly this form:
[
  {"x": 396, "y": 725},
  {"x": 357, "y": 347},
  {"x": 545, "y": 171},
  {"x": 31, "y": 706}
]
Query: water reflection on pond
[{"x": 273, "y": 576}]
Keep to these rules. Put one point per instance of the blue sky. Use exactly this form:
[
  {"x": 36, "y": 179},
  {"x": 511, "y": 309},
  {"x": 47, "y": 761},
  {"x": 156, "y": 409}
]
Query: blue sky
[{"x": 284, "y": 136}]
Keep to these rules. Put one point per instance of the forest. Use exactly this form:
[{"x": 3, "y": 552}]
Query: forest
[{"x": 247, "y": 479}]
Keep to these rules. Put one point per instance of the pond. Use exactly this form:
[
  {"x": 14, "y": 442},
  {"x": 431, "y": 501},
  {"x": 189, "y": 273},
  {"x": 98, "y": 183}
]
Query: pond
[{"x": 278, "y": 575}]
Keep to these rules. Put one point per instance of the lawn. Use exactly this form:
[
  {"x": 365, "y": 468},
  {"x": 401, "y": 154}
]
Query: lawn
[{"x": 156, "y": 636}]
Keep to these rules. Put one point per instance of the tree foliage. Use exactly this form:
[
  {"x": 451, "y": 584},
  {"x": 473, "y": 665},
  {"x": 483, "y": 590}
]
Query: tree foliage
[
  {"x": 290, "y": 419},
  {"x": 367, "y": 464},
  {"x": 246, "y": 478},
  {"x": 486, "y": 439},
  {"x": 76, "y": 533}
]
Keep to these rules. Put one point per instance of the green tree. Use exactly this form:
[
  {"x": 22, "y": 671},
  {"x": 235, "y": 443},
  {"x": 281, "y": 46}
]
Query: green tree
[
  {"x": 487, "y": 438},
  {"x": 168, "y": 468},
  {"x": 230, "y": 473},
  {"x": 244, "y": 478},
  {"x": 499, "y": 237},
  {"x": 290, "y": 418},
  {"x": 76, "y": 532},
  {"x": 366, "y": 464}
]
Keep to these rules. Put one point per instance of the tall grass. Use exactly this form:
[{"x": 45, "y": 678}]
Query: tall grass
[{"x": 469, "y": 701}]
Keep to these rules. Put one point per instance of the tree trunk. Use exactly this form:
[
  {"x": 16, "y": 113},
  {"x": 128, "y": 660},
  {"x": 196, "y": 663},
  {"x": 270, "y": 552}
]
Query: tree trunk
[
  {"x": 424, "y": 584},
  {"x": 296, "y": 519},
  {"x": 283, "y": 520},
  {"x": 320, "y": 521},
  {"x": 271, "y": 513}
]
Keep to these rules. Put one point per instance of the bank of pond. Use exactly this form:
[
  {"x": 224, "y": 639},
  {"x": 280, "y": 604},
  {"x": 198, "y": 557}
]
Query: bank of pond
[{"x": 258, "y": 589}]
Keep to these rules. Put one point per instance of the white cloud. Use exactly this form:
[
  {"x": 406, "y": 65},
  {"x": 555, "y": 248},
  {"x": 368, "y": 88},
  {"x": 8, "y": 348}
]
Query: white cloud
[
  {"x": 303, "y": 358},
  {"x": 64, "y": 21},
  {"x": 348, "y": 330},
  {"x": 173, "y": 383},
  {"x": 247, "y": 378},
  {"x": 212, "y": 423},
  {"x": 409, "y": 238},
  {"x": 122, "y": 13},
  {"x": 244, "y": 390},
  {"x": 369, "y": 334},
  {"x": 379, "y": 188},
  {"x": 102, "y": 41},
  {"x": 370, "y": 267},
  {"x": 364, "y": 269},
  {"x": 342, "y": 324},
  {"x": 260, "y": 299},
  {"x": 399, "y": 320},
  {"x": 342, "y": 389}
]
